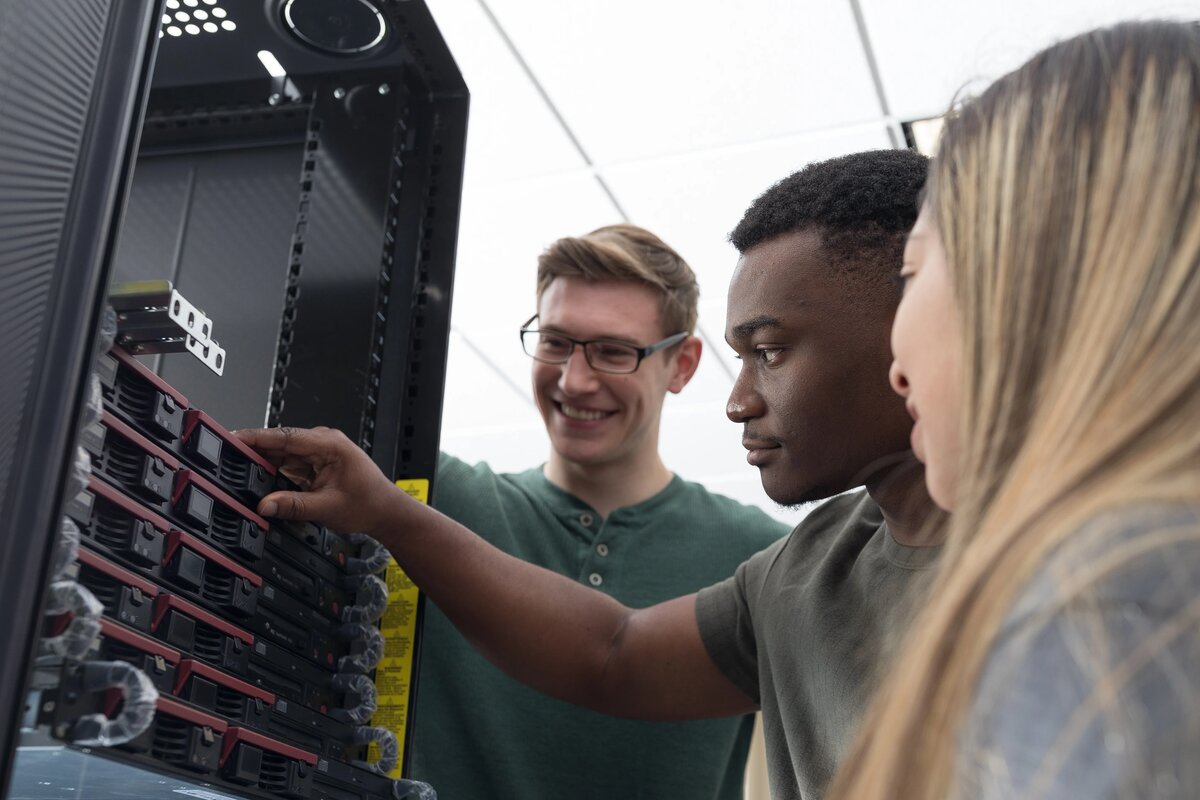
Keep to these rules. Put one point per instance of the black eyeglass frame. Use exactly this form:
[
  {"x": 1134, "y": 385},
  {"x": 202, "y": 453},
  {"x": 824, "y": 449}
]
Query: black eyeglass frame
[{"x": 642, "y": 352}]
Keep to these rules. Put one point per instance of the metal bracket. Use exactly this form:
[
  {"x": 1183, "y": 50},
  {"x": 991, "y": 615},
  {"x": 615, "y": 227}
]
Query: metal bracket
[{"x": 153, "y": 317}]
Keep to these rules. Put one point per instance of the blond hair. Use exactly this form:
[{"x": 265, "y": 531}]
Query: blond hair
[
  {"x": 627, "y": 253},
  {"x": 1068, "y": 199}
]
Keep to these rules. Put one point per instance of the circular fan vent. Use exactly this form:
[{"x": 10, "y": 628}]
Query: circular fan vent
[{"x": 341, "y": 27}]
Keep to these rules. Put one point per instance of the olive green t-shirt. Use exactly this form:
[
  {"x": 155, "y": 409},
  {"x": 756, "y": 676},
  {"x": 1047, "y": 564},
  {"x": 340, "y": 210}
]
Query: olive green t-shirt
[
  {"x": 479, "y": 735},
  {"x": 800, "y": 627}
]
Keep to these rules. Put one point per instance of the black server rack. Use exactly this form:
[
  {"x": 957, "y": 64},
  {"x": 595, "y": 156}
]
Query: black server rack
[{"x": 214, "y": 214}]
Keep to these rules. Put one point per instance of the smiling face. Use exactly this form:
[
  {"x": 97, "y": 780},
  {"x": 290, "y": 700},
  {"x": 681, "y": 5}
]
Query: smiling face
[
  {"x": 595, "y": 418},
  {"x": 927, "y": 348},
  {"x": 812, "y": 393}
]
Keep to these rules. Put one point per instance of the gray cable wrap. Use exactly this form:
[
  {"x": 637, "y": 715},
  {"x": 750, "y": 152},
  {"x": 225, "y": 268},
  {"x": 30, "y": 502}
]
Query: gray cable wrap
[
  {"x": 81, "y": 472},
  {"x": 84, "y": 628},
  {"x": 137, "y": 712},
  {"x": 405, "y": 789},
  {"x": 65, "y": 549},
  {"x": 372, "y": 652},
  {"x": 93, "y": 405},
  {"x": 389, "y": 748},
  {"x": 373, "y": 557},
  {"x": 107, "y": 334},
  {"x": 368, "y": 698},
  {"x": 370, "y": 601}
]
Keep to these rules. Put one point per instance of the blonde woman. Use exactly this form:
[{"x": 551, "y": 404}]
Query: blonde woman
[{"x": 1048, "y": 345}]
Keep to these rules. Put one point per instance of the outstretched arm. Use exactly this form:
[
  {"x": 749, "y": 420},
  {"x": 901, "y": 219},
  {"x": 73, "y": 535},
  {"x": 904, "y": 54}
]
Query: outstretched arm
[{"x": 544, "y": 629}]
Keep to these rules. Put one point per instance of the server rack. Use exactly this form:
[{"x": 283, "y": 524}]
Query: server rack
[{"x": 310, "y": 210}]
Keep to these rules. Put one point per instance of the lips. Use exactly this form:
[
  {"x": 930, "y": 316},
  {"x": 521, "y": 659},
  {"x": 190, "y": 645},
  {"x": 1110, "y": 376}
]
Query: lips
[{"x": 760, "y": 450}]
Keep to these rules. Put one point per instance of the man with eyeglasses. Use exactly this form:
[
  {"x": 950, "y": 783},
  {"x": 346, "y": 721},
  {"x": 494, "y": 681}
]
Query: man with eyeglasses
[
  {"x": 613, "y": 334},
  {"x": 799, "y": 629}
]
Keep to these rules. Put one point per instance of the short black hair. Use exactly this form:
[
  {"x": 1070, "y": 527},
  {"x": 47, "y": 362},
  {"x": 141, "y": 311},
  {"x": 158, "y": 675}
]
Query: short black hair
[{"x": 863, "y": 205}]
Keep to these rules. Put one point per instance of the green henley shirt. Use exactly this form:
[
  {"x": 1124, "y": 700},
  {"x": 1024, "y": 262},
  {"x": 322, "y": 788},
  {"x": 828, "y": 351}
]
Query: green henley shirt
[{"x": 479, "y": 735}]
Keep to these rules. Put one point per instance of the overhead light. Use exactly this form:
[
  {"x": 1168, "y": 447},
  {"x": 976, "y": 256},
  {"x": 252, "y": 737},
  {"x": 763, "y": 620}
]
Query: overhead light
[
  {"x": 272, "y": 64},
  {"x": 922, "y": 134}
]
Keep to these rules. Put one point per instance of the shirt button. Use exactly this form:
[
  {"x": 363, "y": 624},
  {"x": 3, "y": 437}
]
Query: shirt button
[
  {"x": 585, "y": 520},
  {"x": 602, "y": 549},
  {"x": 595, "y": 579}
]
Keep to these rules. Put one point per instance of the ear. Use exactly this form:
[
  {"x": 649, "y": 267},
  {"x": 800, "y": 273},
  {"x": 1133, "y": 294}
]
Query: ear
[{"x": 686, "y": 361}]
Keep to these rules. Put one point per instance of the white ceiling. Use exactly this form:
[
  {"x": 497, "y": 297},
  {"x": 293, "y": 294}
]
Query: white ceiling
[{"x": 675, "y": 115}]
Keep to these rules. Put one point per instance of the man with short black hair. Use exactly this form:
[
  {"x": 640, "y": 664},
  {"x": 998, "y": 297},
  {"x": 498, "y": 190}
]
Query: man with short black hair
[
  {"x": 613, "y": 334},
  {"x": 798, "y": 628}
]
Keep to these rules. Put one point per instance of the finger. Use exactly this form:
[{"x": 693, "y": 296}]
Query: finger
[{"x": 287, "y": 441}]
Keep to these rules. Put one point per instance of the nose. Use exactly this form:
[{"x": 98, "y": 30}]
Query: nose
[
  {"x": 744, "y": 402},
  {"x": 577, "y": 376},
  {"x": 898, "y": 380}
]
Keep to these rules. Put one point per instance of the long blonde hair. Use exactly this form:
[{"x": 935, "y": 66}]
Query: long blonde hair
[{"x": 1068, "y": 199}]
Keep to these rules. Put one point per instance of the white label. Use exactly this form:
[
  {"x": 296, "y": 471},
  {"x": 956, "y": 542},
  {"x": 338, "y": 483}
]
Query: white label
[{"x": 204, "y": 794}]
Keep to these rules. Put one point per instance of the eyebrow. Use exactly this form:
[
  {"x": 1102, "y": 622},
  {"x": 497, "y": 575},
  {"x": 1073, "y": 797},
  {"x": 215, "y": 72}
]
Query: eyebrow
[
  {"x": 755, "y": 324},
  {"x": 610, "y": 338}
]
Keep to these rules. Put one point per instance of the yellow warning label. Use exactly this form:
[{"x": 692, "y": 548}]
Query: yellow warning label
[{"x": 393, "y": 676}]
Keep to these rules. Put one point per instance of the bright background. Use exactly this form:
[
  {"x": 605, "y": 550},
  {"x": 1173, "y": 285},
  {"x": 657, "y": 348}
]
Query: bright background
[{"x": 675, "y": 115}]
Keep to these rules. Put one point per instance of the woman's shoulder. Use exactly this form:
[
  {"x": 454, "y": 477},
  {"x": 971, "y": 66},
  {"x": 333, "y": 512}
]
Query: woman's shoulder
[{"x": 1093, "y": 685}]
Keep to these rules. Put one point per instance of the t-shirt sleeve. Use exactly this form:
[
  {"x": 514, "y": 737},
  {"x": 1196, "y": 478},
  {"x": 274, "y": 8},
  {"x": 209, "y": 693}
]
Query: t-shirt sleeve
[
  {"x": 465, "y": 492},
  {"x": 1095, "y": 698},
  {"x": 471, "y": 495},
  {"x": 725, "y": 615}
]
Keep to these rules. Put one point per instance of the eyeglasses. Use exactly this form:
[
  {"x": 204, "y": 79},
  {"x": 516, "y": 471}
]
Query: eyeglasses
[{"x": 603, "y": 355}]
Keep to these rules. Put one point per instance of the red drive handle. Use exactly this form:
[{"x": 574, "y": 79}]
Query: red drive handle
[
  {"x": 191, "y": 667},
  {"x": 110, "y": 569},
  {"x": 165, "y": 602},
  {"x": 196, "y": 417},
  {"x": 144, "y": 372},
  {"x": 174, "y": 708},
  {"x": 134, "y": 639},
  {"x": 186, "y": 476},
  {"x": 102, "y": 489},
  {"x": 141, "y": 441},
  {"x": 250, "y": 737},
  {"x": 177, "y": 537}
]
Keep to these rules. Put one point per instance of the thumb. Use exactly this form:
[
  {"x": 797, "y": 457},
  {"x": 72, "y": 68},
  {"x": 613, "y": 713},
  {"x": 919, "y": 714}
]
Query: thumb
[{"x": 292, "y": 505}]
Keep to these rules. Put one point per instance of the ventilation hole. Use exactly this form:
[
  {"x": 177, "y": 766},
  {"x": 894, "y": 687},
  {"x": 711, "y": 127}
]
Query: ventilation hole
[
  {"x": 218, "y": 587},
  {"x": 208, "y": 644},
  {"x": 170, "y": 740},
  {"x": 230, "y": 703}
]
